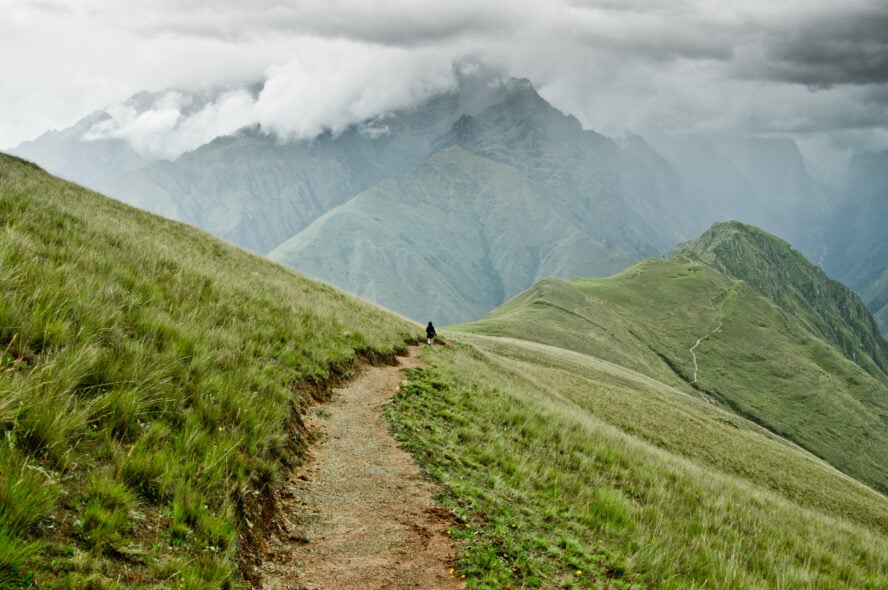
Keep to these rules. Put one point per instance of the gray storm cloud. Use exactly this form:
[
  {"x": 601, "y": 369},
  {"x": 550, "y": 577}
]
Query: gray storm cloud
[{"x": 756, "y": 66}]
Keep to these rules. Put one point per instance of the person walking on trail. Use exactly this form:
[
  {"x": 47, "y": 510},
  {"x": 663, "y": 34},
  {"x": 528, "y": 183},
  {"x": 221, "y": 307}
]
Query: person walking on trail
[{"x": 430, "y": 333}]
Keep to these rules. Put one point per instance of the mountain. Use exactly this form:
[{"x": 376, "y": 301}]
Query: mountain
[
  {"x": 776, "y": 270},
  {"x": 618, "y": 200},
  {"x": 509, "y": 196},
  {"x": 256, "y": 190},
  {"x": 91, "y": 163},
  {"x": 153, "y": 387},
  {"x": 855, "y": 232},
  {"x": 249, "y": 188},
  {"x": 740, "y": 319}
]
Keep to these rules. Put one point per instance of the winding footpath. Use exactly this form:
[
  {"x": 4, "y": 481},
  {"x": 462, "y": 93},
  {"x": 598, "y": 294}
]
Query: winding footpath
[
  {"x": 360, "y": 513},
  {"x": 729, "y": 296},
  {"x": 694, "y": 347}
]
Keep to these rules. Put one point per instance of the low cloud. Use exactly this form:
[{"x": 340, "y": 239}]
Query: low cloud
[
  {"x": 332, "y": 85},
  {"x": 798, "y": 67},
  {"x": 171, "y": 124}
]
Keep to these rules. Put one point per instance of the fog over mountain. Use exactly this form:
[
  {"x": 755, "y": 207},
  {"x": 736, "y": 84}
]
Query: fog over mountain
[{"x": 814, "y": 71}]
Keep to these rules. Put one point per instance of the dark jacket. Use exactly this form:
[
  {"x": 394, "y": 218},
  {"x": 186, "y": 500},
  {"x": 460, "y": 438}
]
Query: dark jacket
[{"x": 430, "y": 331}]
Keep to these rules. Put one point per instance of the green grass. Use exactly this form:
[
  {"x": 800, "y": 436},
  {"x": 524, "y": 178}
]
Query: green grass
[
  {"x": 803, "y": 291},
  {"x": 152, "y": 387},
  {"x": 761, "y": 363},
  {"x": 567, "y": 471}
]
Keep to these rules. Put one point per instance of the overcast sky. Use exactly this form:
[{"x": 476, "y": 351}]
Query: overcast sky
[{"x": 816, "y": 70}]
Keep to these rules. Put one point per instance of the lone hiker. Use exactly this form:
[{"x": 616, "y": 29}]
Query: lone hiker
[{"x": 430, "y": 333}]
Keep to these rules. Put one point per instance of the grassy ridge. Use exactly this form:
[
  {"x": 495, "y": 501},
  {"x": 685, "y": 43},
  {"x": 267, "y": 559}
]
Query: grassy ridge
[
  {"x": 151, "y": 382},
  {"x": 821, "y": 305},
  {"x": 567, "y": 471},
  {"x": 751, "y": 357}
]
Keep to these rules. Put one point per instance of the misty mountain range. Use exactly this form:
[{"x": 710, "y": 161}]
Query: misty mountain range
[{"x": 446, "y": 209}]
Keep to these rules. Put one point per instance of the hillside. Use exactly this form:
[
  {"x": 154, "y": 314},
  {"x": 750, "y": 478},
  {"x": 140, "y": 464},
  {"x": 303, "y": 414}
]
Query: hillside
[
  {"x": 777, "y": 271},
  {"x": 686, "y": 324},
  {"x": 567, "y": 471},
  {"x": 154, "y": 381}
]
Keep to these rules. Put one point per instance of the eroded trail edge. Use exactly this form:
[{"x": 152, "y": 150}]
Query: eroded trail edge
[{"x": 359, "y": 513}]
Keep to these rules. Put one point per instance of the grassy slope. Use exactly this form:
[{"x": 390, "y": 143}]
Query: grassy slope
[
  {"x": 760, "y": 362},
  {"x": 151, "y": 385},
  {"x": 775, "y": 269},
  {"x": 569, "y": 471}
]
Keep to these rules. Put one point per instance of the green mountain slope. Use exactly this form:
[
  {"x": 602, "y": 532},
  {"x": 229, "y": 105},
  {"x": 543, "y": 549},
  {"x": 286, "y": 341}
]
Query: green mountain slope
[
  {"x": 572, "y": 472},
  {"x": 152, "y": 383},
  {"x": 683, "y": 322},
  {"x": 773, "y": 268}
]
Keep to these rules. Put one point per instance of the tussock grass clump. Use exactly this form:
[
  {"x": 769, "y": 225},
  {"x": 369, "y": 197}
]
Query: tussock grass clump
[
  {"x": 551, "y": 488},
  {"x": 152, "y": 381}
]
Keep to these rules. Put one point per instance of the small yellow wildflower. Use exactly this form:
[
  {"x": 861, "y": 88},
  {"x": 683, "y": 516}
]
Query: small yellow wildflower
[{"x": 579, "y": 573}]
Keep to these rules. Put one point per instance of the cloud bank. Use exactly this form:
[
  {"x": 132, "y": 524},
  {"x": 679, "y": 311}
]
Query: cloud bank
[
  {"x": 332, "y": 85},
  {"x": 814, "y": 70}
]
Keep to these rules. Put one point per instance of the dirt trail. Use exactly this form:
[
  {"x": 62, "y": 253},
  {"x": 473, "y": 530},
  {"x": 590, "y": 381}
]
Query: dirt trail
[
  {"x": 361, "y": 515},
  {"x": 696, "y": 344}
]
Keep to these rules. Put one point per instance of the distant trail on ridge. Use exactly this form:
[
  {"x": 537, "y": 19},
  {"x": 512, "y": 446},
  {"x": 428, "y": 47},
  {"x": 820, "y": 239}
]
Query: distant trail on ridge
[{"x": 696, "y": 344}]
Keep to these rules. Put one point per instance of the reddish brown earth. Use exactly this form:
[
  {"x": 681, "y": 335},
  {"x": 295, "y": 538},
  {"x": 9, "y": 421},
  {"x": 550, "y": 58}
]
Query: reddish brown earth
[{"x": 358, "y": 513}]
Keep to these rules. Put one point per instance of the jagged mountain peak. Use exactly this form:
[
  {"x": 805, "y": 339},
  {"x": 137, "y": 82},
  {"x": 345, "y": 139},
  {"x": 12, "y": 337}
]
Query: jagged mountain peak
[{"x": 521, "y": 119}]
